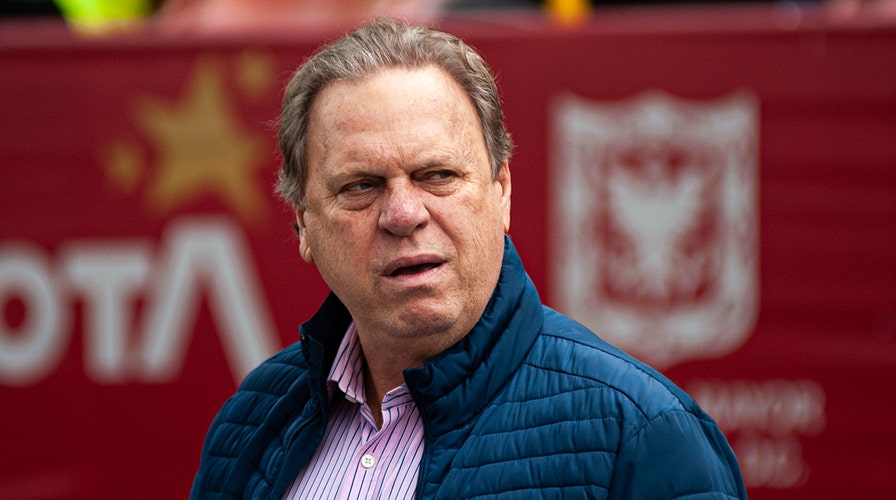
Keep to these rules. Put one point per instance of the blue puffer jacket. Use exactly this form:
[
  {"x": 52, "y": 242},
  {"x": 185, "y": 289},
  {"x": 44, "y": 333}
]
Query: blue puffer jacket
[{"x": 529, "y": 405}]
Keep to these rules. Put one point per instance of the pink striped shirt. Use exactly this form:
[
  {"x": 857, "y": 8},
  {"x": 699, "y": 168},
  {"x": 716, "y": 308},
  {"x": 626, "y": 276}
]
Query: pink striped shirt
[{"x": 355, "y": 460}]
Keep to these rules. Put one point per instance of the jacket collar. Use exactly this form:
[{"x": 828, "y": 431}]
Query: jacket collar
[
  {"x": 457, "y": 384},
  {"x": 320, "y": 337}
]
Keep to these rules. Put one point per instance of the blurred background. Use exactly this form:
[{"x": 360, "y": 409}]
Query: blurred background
[{"x": 711, "y": 186}]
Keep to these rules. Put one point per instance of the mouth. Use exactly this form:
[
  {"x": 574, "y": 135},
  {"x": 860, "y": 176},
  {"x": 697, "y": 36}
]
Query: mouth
[
  {"x": 411, "y": 270},
  {"x": 408, "y": 267}
]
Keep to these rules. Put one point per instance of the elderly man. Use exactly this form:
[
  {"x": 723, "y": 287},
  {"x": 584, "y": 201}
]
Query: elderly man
[{"x": 433, "y": 370}]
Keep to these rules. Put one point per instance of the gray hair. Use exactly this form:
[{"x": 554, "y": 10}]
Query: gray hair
[{"x": 384, "y": 43}]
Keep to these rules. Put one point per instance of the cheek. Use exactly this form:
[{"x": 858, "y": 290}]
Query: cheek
[
  {"x": 480, "y": 226},
  {"x": 337, "y": 259},
  {"x": 476, "y": 220},
  {"x": 339, "y": 241}
]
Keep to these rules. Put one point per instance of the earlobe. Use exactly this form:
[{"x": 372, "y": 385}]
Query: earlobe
[
  {"x": 504, "y": 182},
  {"x": 305, "y": 251},
  {"x": 302, "y": 233}
]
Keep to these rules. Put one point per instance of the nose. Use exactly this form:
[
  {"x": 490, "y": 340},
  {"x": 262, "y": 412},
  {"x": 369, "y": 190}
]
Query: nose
[{"x": 402, "y": 210}]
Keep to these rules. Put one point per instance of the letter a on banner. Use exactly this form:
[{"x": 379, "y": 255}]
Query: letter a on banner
[{"x": 211, "y": 255}]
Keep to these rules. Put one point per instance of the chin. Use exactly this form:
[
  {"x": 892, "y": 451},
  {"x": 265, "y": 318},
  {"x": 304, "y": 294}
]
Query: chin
[{"x": 418, "y": 322}]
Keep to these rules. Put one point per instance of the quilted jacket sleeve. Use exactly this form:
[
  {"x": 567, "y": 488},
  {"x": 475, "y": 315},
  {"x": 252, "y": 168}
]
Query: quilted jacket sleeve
[
  {"x": 677, "y": 454},
  {"x": 243, "y": 446}
]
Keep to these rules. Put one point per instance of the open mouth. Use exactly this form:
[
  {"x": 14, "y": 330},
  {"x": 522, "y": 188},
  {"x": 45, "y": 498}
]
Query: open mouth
[
  {"x": 412, "y": 266},
  {"x": 415, "y": 269}
]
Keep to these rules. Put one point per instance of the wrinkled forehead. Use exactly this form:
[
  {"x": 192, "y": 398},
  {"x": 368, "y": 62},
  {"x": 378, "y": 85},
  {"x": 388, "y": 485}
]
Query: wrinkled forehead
[{"x": 391, "y": 97}]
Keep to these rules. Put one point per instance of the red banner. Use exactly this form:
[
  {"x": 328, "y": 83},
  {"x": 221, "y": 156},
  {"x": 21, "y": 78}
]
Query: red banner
[{"x": 713, "y": 190}]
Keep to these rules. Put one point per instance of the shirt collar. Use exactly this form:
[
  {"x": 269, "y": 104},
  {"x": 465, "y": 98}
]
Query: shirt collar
[{"x": 347, "y": 373}]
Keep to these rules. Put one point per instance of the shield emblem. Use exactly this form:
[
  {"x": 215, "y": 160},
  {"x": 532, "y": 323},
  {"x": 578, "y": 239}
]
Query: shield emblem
[{"x": 654, "y": 222}]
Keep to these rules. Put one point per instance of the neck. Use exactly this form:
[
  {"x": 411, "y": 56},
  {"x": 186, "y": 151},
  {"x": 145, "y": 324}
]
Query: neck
[
  {"x": 388, "y": 353},
  {"x": 386, "y": 358},
  {"x": 383, "y": 371}
]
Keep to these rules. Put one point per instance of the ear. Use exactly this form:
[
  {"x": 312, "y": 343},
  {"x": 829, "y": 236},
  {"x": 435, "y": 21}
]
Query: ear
[
  {"x": 302, "y": 232},
  {"x": 504, "y": 182}
]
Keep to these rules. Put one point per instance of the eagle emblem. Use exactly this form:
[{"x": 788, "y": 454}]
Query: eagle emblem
[{"x": 654, "y": 223}]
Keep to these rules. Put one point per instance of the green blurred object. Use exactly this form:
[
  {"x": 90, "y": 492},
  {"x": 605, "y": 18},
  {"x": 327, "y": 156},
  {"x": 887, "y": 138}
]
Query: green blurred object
[{"x": 98, "y": 16}]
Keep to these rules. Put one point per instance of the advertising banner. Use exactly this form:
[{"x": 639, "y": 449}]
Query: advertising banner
[{"x": 717, "y": 196}]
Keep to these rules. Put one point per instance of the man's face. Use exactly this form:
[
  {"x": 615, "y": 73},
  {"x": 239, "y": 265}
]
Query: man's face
[{"x": 403, "y": 218}]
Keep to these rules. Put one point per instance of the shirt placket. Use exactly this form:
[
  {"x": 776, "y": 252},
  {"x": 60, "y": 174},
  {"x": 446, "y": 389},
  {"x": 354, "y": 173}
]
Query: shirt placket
[{"x": 369, "y": 460}]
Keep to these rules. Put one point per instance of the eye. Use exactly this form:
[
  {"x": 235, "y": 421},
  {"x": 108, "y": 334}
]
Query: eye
[
  {"x": 359, "y": 186},
  {"x": 358, "y": 194},
  {"x": 440, "y": 181},
  {"x": 440, "y": 175},
  {"x": 443, "y": 174}
]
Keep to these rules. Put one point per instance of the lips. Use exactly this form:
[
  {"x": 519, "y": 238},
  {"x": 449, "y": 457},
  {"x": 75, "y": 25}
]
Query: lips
[{"x": 412, "y": 266}]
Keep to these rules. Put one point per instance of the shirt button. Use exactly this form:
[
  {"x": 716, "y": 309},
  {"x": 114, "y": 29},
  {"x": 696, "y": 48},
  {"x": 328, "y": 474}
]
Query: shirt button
[{"x": 368, "y": 461}]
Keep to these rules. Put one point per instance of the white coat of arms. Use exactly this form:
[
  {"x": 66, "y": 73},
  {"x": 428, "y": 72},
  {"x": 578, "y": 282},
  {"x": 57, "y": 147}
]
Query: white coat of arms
[{"x": 654, "y": 223}]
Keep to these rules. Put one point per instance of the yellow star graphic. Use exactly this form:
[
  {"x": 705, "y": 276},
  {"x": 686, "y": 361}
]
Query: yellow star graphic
[
  {"x": 202, "y": 149},
  {"x": 255, "y": 74},
  {"x": 124, "y": 166}
]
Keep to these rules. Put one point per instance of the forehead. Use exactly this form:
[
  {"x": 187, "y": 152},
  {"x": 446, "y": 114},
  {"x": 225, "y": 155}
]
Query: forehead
[
  {"x": 394, "y": 110},
  {"x": 393, "y": 99}
]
